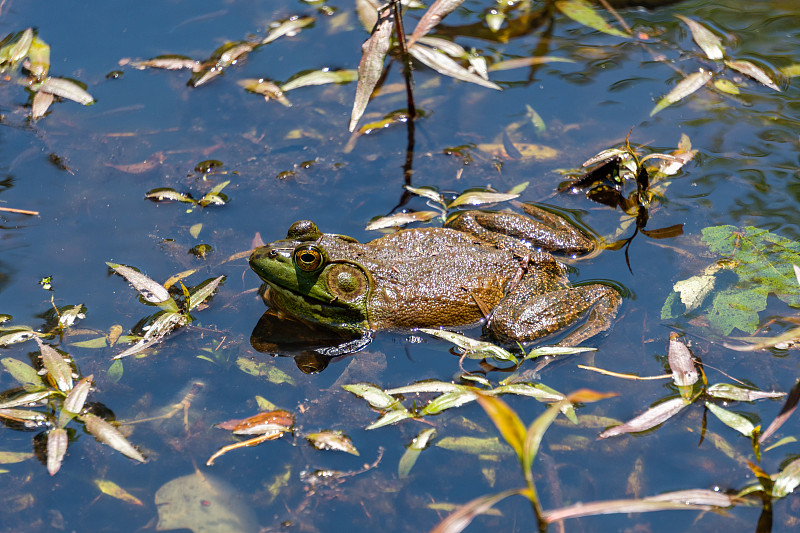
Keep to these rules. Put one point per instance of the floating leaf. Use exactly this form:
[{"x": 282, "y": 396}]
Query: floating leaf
[
  {"x": 428, "y": 386},
  {"x": 460, "y": 519},
  {"x": 21, "y": 47},
  {"x": 432, "y": 17},
  {"x": 59, "y": 373},
  {"x": 168, "y": 62},
  {"x": 109, "y": 435},
  {"x": 373, "y": 52},
  {"x": 481, "y": 197},
  {"x": 41, "y": 103},
  {"x": 320, "y": 77},
  {"x": 443, "y": 64},
  {"x": 426, "y": 192},
  {"x": 115, "y": 491},
  {"x": 26, "y": 399},
  {"x": 413, "y": 450},
  {"x": 401, "y": 219},
  {"x": 150, "y": 290},
  {"x": 7, "y": 458},
  {"x": 214, "y": 196},
  {"x": 202, "y": 292},
  {"x": 749, "y": 69},
  {"x": 684, "y": 373},
  {"x": 332, "y": 440},
  {"x": 473, "y": 347},
  {"x": 268, "y": 422},
  {"x": 25, "y": 374},
  {"x": 649, "y": 419},
  {"x": 203, "y": 504},
  {"x": 684, "y": 88},
  {"x": 733, "y": 392},
  {"x": 76, "y": 398},
  {"x": 521, "y": 62},
  {"x": 289, "y": 27},
  {"x": 787, "y": 480},
  {"x": 449, "y": 400},
  {"x": 392, "y": 417},
  {"x": 168, "y": 194},
  {"x": 375, "y": 396},
  {"x": 57, "y": 441},
  {"x": 705, "y": 39},
  {"x": 14, "y": 335},
  {"x": 26, "y": 417},
  {"x": 64, "y": 88},
  {"x": 266, "y": 88},
  {"x": 582, "y": 12},
  {"x": 731, "y": 419}
]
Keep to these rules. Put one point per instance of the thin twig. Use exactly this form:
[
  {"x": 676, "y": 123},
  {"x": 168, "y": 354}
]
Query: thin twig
[{"x": 20, "y": 211}]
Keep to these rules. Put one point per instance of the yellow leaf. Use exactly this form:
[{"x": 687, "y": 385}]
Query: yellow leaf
[{"x": 115, "y": 491}]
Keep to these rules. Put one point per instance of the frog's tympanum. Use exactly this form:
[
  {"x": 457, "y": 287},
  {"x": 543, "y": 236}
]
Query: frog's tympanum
[{"x": 493, "y": 266}]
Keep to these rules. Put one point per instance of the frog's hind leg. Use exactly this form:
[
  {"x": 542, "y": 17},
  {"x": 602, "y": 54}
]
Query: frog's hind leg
[{"x": 525, "y": 317}]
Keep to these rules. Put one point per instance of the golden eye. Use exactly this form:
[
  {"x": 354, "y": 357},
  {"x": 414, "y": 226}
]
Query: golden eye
[{"x": 308, "y": 257}]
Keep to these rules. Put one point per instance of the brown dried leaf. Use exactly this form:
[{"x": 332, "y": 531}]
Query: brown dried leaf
[
  {"x": 401, "y": 219},
  {"x": 444, "y": 64},
  {"x": 681, "y": 363},
  {"x": 57, "y": 441},
  {"x": 373, "y": 52},
  {"x": 332, "y": 440},
  {"x": 278, "y": 420},
  {"x": 432, "y": 17},
  {"x": 109, "y": 435}
]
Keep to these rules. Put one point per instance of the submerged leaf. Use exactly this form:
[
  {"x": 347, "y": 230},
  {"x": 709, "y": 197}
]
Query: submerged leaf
[
  {"x": 649, "y": 419},
  {"x": 109, "y": 435},
  {"x": 375, "y": 396},
  {"x": 115, "y": 491},
  {"x": 749, "y": 69},
  {"x": 705, "y": 39},
  {"x": 413, "y": 450},
  {"x": 684, "y": 88},
  {"x": 681, "y": 363},
  {"x": 373, "y": 52},
  {"x": 392, "y": 417},
  {"x": 401, "y": 219},
  {"x": 332, "y": 440},
  {"x": 266, "y": 88},
  {"x": 25, "y": 374},
  {"x": 57, "y": 442}
]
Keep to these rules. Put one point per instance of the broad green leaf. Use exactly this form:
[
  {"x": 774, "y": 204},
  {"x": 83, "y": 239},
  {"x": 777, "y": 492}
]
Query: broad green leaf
[
  {"x": 733, "y": 392},
  {"x": 57, "y": 442},
  {"x": 401, "y": 219},
  {"x": 319, "y": 77},
  {"x": 731, "y": 419},
  {"x": 412, "y": 452},
  {"x": 444, "y": 64},
  {"x": 507, "y": 422},
  {"x": 749, "y": 69},
  {"x": 59, "y": 373},
  {"x": 64, "y": 88},
  {"x": 25, "y": 374},
  {"x": 375, "y": 396},
  {"x": 115, "y": 491},
  {"x": 460, "y": 519},
  {"x": 705, "y": 39},
  {"x": 684, "y": 88},
  {"x": 649, "y": 419},
  {"x": 582, "y": 12},
  {"x": 109, "y": 435},
  {"x": 373, "y": 52},
  {"x": 449, "y": 400},
  {"x": 392, "y": 417},
  {"x": 203, "y": 291},
  {"x": 787, "y": 480},
  {"x": 332, "y": 440}
]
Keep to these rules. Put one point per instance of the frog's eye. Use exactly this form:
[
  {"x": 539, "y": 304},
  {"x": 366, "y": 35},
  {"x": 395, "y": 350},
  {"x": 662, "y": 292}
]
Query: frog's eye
[{"x": 308, "y": 257}]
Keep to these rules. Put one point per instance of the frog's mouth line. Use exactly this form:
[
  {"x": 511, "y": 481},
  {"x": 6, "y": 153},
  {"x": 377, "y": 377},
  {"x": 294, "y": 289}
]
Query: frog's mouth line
[{"x": 291, "y": 302}]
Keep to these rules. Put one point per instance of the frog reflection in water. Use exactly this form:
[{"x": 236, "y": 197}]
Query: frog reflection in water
[{"x": 495, "y": 266}]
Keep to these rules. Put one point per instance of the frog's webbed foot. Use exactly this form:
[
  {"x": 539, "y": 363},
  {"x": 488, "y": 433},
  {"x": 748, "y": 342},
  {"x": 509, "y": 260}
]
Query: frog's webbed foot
[
  {"x": 518, "y": 233},
  {"x": 525, "y": 317}
]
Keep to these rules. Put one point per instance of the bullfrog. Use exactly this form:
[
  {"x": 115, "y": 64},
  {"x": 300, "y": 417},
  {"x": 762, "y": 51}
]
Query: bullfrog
[{"x": 492, "y": 266}]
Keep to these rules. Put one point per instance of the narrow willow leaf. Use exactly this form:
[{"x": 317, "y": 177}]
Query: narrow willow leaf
[
  {"x": 426, "y": 192},
  {"x": 41, "y": 103},
  {"x": 582, "y": 12},
  {"x": 705, "y": 39},
  {"x": 731, "y": 419},
  {"x": 749, "y": 69},
  {"x": 472, "y": 346},
  {"x": 375, "y": 396},
  {"x": 29, "y": 418},
  {"x": 64, "y": 88},
  {"x": 481, "y": 197},
  {"x": 320, "y": 77},
  {"x": 265, "y": 422},
  {"x": 706, "y": 500},
  {"x": 266, "y": 88},
  {"x": 786, "y": 411},
  {"x": 443, "y": 45},
  {"x": 684, "y": 88},
  {"x": 429, "y": 386},
  {"x": 26, "y": 375},
  {"x": 787, "y": 480},
  {"x": 507, "y": 422},
  {"x": 529, "y": 389},
  {"x": 392, "y": 417},
  {"x": 77, "y": 396},
  {"x": 289, "y": 27},
  {"x": 432, "y": 17},
  {"x": 443, "y": 64},
  {"x": 413, "y": 450},
  {"x": 203, "y": 291},
  {"x": 168, "y": 62},
  {"x": 649, "y": 419},
  {"x": 150, "y": 290},
  {"x": 139, "y": 346},
  {"x": 115, "y": 491},
  {"x": 332, "y": 440},
  {"x": 168, "y": 194},
  {"x": 57, "y": 442},
  {"x": 522, "y": 62},
  {"x": 533, "y": 439},
  {"x": 109, "y": 435},
  {"x": 732, "y": 392},
  {"x": 373, "y": 52},
  {"x": 449, "y": 400},
  {"x": 557, "y": 350},
  {"x": 460, "y": 519},
  {"x": 59, "y": 373},
  {"x": 214, "y": 196},
  {"x": 14, "y": 335},
  {"x": 401, "y": 219},
  {"x": 26, "y": 399},
  {"x": 684, "y": 373}
]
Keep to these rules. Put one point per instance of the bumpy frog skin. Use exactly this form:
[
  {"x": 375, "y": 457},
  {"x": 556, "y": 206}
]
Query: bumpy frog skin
[{"x": 481, "y": 265}]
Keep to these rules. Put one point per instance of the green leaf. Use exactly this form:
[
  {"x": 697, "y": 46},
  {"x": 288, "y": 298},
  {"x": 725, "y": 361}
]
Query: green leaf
[
  {"x": 731, "y": 419},
  {"x": 582, "y": 12},
  {"x": 684, "y": 88},
  {"x": 392, "y": 417},
  {"x": 375, "y": 396},
  {"x": 203, "y": 291},
  {"x": 319, "y": 77},
  {"x": 413, "y": 450},
  {"x": 475, "y": 445},
  {"x": 449, "y": 400},
  {"x": 705, "y": 39},
  {"x": 25, "y": 374}
]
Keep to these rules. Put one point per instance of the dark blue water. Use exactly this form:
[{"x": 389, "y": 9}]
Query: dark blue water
[{"x": 93, "y": 209}]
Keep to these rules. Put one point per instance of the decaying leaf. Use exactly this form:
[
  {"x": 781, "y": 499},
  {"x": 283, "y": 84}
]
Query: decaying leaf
[
  {"x": 522, "y": 62},
  {"x": 705, "y": 39},
  {"x": 68, "y": 89},
  {"x": 57, "y": 441},
  {"x": 268, "y": 422},
  {"x": 373, "y": 52},
  {"x": 289, "y": 27},
  {"x": 109, "y": 435},
  {"x": 749, "y": 69},
  {"x": 203, "y": 504},
  {"x": 74, "y": 401},
  {"x": 481, "y": 197},
  {"x": 332, "y": 440},
  {"x": 41, "y": 103},
  {"x": 432, "y": 17},
  {"x": 727, "y": 391},
  {"x": 266, "y": 88},
  {"x": 681, "y": 363},
  {"x": 150, "y": 290},
  {"x": 168, "y": 62},
  {"x": 684, "y": 88},
  {"x": 401, "y": 219}
]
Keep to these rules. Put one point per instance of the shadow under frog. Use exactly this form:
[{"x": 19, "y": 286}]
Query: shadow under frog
[{"x": 494, "y": 267}]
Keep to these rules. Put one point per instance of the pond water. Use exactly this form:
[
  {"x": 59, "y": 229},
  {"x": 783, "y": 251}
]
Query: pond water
[{"x": 86, "y": 170}]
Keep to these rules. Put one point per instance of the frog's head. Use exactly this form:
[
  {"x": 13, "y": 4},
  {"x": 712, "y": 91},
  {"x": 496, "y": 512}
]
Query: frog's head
[{"x": 312, "y": 276}]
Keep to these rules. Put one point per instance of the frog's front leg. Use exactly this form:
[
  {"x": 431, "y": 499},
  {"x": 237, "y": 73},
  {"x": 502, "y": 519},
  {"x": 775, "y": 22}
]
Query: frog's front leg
[
  {"x": 524, "y": 316},
  {"x": 519, "y": 233}
]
